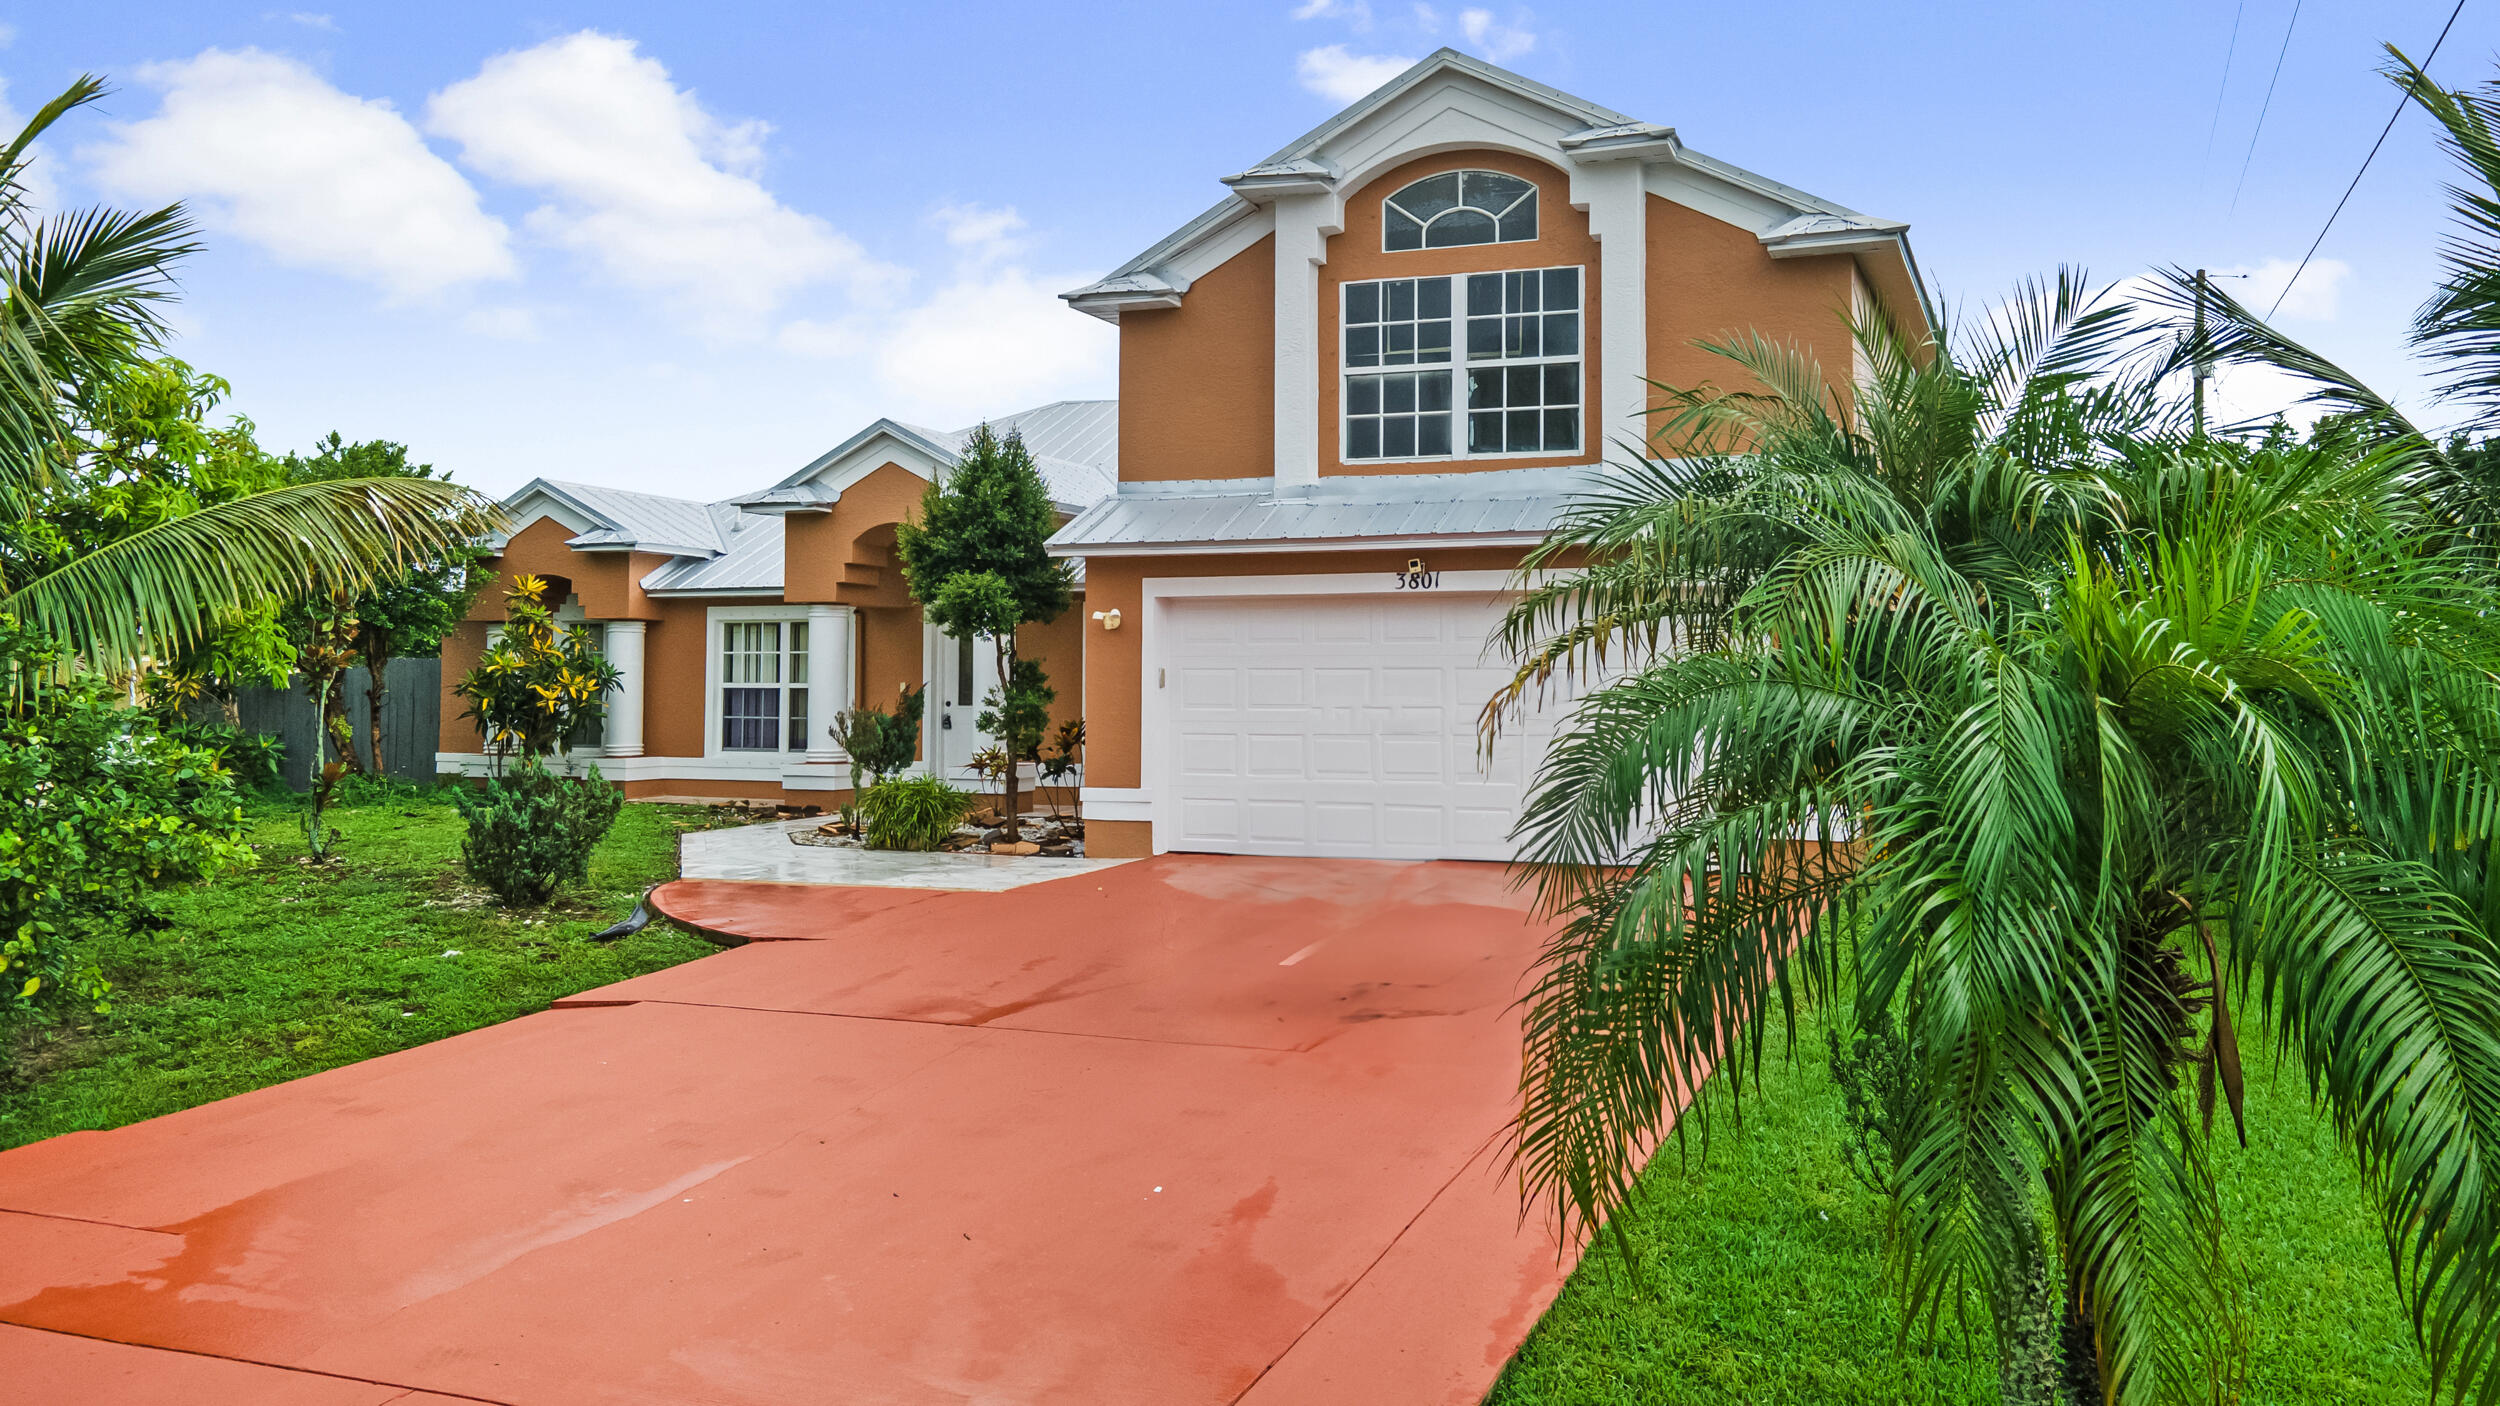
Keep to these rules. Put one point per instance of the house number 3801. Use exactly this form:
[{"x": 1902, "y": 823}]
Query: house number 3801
[{"x": 1415, "y": 578}]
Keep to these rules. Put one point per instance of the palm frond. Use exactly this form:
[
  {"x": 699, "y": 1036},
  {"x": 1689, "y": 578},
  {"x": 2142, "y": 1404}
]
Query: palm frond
[{"x": 161, "y": 588}]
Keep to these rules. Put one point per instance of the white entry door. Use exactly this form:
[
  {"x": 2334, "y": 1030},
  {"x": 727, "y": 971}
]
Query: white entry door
[
  {"x": 961, "y": 673},
  {"x": 1339, "y": 725}
]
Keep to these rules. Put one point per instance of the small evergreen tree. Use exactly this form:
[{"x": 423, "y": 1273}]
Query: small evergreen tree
[{"x": 976, "y": 561}]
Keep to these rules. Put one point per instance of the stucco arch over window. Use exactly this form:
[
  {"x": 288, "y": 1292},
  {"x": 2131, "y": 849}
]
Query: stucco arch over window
[{"x": 1458, "y": 208}]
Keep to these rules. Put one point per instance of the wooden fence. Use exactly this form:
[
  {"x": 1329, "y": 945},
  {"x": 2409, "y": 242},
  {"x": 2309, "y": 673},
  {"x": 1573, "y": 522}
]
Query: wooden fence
[{"x": 412, "y": 712}]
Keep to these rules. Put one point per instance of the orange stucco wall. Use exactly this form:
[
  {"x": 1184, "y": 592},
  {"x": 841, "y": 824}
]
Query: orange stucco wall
[
  {"x": 845, "y": 556},
  {"x": 1356, "y": 255},
  {"x": 1709, "y": 280},
  {"x": 1198, "y": 382}
]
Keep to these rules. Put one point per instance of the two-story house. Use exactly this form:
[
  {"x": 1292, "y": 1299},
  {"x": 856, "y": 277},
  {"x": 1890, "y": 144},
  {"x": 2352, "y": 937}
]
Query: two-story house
[{"x": 1351, "y": 395}]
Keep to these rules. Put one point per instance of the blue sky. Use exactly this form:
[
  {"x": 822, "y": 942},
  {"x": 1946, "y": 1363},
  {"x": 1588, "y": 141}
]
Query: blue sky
[{"x": 686, "y": 248}]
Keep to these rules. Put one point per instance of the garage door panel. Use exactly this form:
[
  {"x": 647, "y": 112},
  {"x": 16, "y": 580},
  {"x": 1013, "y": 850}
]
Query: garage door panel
[
  {"x": 1353, "y": 727},
  {"x": 1210, "y": 754}
]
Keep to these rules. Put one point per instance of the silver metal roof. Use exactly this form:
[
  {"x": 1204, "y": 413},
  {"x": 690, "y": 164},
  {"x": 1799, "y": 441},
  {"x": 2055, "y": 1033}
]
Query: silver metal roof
[
  {"x": 753, "y": 562},
  {"x": 723, "y": 547},
  {"x": 1489, "y": 507}
]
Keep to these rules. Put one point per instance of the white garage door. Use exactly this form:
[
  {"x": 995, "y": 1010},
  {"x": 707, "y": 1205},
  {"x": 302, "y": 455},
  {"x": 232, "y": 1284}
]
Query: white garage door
[{"x": 1339, "y": 725}]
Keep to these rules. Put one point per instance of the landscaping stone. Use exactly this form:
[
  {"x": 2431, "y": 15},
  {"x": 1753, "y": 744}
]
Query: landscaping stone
[{"x": 1019, "y": 847}]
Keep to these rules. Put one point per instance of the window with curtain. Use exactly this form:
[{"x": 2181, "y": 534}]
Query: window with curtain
[{"x": 763, "y": 702}]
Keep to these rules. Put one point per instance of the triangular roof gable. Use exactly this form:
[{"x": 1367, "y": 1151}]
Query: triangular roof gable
[
  {"x": 1449, "y": 100},
  {"x": 815, "y": 486},
  {"x": 539, "y": 498}
]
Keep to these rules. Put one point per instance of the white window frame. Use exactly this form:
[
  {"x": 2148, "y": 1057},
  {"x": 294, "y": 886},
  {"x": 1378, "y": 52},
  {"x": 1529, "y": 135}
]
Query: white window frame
[
  {"x": 763, "y": 760},
  {"x": 1536, "y": 193},
  {"x": 1458, "y": 366}
]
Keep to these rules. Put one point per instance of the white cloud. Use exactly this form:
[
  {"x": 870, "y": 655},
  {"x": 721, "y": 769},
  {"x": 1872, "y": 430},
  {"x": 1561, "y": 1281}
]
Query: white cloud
[
  {"x": 503, "y": 324},
  {"x": 1340, "y": 76},
  {"x": 1490, "y": 37},
  {"x": 641, "y": 179},
  {"x": 983, "y": 233},
  {"x": 1357, "y": 13},
  {"x": 2312, "y": 299},
  {"x": 309, "y": 20},
  {"x": 990, "y": 342},
  {"x": 42, "y": 190},
  {"x": 1427, "y": 18},
  {"x": 266, "y": 149}
]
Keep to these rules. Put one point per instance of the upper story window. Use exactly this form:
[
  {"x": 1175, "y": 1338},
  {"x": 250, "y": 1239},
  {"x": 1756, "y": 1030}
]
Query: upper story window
[
  {"x": 1458, "y": 208},
  {"x": 1523, "y": 348}
]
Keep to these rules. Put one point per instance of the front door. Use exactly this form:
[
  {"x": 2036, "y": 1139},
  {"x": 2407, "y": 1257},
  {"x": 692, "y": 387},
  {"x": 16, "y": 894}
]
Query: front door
[{"x": 962, "y": 673}]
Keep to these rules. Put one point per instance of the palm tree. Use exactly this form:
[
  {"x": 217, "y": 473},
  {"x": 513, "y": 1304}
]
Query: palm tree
[
  {"x": 2000, "y": 707},
  {"x": 81, "y": 299}
]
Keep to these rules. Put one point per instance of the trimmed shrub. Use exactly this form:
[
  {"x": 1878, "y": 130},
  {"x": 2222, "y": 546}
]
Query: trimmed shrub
[
  {"x": 532, "y": 831},
  {"x": 912, "y": 812}
]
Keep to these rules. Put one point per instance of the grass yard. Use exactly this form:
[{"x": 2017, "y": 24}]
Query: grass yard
[
  {"x": 282, "y": 970},
  {"x": 1760, "y": 1276}
]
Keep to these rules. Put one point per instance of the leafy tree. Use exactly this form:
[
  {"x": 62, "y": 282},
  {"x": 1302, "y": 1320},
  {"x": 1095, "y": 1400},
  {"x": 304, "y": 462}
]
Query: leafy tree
[
  {"x": 102, "y": 806},
  {"x": 2002, "y": 704},
  {"x": 406, "y": 616},
  {"x": 536, "y": 685},
  {"x": 977, "y": 563},
  {"x": 530, "y": 830}
]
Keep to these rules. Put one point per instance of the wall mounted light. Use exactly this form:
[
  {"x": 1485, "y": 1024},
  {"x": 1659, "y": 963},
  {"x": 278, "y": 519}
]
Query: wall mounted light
[{"x": 1110, "y": 618}]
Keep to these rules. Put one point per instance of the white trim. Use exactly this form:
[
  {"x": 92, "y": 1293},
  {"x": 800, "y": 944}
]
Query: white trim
[
  {"x": 1116, "y": 803},
  {"x": 1316, "y": 544},
  {"x": 1460, "y": 366},
  {"x": 793, "y": 776},
  {"x": 1304, "y": 224},
  {"x": 713, "y": 618},
  {"x": 1156, "y": 594},
  {"x": 1617, "y": 207}
]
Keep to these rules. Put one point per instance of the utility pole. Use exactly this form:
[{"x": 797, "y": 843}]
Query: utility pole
[{"x": 2204, "y": 367}]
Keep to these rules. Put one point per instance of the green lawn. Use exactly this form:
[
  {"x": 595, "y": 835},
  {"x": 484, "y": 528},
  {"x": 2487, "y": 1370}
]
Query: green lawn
[
  {"x": 283, "y": 970},
  {"x": 1759, "y": 1276}
]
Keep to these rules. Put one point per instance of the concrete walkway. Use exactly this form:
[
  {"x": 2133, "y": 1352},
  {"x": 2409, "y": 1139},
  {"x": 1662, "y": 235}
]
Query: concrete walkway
[
  {"x": 1188, "y": 1130},
  {"x": 765, "y": 853}
]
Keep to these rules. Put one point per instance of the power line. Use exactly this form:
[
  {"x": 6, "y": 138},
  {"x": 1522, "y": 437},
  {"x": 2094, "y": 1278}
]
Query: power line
[
  {"x": 2229, "y": 51},
  {"x": 2401, "y": 102},
  {"x": 2264, "y": 106}
]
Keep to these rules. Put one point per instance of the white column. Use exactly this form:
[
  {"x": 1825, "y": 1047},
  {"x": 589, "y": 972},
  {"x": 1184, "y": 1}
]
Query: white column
[
  {"x": 828, "y": 677},
  {"x": 624, "y": 726},
  {"x": 1617, "y": 202},
  {"x": 1301, "y": 247}
]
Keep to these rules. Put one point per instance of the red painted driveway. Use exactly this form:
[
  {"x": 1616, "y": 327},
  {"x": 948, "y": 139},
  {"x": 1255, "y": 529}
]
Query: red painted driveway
[{"x": 1188, "y": 1130}]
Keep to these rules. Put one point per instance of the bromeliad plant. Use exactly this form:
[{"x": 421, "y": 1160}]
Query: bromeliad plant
[{"x": 2085, "y": 751}]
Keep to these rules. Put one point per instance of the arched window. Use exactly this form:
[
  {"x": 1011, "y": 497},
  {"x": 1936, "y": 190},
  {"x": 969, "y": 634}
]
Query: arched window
[{"x": 1458, "y": 208}]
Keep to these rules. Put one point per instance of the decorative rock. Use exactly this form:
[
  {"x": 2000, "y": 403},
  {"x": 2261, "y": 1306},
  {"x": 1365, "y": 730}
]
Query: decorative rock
[{"x": 1019, "y": 847}]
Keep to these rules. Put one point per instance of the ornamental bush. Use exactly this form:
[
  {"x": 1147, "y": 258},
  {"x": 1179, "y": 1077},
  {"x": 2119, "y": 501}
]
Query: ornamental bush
[
  {"x": 911, "y": 812},
  {"x": 98, "y": 807},
  {"x": 532, "y": 831}
]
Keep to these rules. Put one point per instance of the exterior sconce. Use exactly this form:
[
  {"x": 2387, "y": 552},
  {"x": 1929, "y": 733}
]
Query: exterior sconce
[{"x": 1110, "y": 618}]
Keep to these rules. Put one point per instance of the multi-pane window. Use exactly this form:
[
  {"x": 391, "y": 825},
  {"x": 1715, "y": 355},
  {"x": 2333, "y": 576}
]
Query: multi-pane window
[
  {"x": 1458, "y": 208},
  {"x": 1523, "y": 361},
  {"x": 763, "y": 686},
  {"x": 1397, "y": 323},
  {"x": 1522, "y": 339}
]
